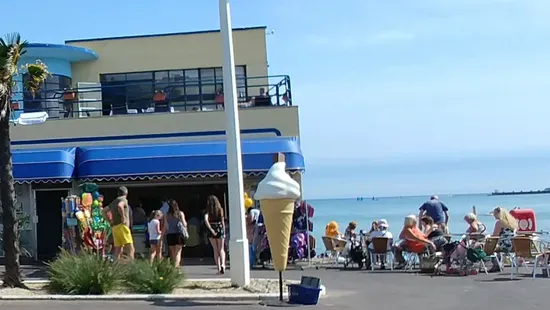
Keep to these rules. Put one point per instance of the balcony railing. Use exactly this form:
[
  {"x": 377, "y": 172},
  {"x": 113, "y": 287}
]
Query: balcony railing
[{"x": 96, "y": 100}]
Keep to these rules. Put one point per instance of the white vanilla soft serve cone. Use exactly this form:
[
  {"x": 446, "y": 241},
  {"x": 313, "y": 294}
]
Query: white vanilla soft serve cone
[{"x": 277, "y": 193}]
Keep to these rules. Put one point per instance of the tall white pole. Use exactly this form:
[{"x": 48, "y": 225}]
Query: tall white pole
[{"x": 238, "y": 244}]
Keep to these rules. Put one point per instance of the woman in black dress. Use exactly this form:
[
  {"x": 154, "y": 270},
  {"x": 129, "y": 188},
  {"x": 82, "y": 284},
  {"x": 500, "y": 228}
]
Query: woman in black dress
[{"x": 214, "y": 221}]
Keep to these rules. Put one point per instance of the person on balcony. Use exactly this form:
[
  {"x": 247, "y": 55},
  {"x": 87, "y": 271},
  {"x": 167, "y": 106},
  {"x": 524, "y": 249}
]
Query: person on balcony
[
  {"x": 262, "y": 100},
  {"x": 219, "y": 99},
  {"x": 69, "y": 98}
]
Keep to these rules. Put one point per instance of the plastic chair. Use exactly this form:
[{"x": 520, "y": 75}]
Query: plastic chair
[{"x": 381, "y": 249}]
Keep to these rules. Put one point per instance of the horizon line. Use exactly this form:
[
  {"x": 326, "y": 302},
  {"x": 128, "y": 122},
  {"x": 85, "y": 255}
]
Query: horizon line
[{"x": 398, "y": 196}]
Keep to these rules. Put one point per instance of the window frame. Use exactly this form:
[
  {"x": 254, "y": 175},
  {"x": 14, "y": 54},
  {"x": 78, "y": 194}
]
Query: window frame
[{"x": 104, "y": 76}]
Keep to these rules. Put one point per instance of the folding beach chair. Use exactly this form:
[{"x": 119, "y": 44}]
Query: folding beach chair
[
  {"x": 489, "y": 247},
  {"x": 381, "y": 249},
  {"x": 525, "y": 248},
  {"x": 334, "y": 248}
]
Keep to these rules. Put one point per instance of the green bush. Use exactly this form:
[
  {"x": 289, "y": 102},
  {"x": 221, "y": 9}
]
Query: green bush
[
  {"x": 159, "y": 278},
  {"x": 83, "y": 274}
]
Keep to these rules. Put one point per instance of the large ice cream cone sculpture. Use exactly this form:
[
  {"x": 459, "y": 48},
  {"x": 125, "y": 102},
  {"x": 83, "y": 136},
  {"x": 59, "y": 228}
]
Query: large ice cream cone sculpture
[{"x": 277, "y": 193}]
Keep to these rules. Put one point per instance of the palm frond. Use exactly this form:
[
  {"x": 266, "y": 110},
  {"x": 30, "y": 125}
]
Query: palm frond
[
  {"x": 37, "y": 73},
  {"x": 12, "y": 48}
]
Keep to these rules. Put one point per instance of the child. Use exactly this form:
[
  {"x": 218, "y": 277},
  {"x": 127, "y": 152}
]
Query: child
[{"x": 153, "y": 228}]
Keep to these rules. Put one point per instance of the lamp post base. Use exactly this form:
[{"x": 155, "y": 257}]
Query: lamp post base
[{"x": 240, "y": 271}]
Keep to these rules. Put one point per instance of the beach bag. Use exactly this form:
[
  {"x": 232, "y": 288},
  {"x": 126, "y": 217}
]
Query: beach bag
[
  {"x": 184, "y": 234},
  {"x": 475, "y": 255}
]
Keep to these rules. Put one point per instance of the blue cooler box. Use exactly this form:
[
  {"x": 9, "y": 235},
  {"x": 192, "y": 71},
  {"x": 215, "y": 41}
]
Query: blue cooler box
[{"x": 303, "y": 295}]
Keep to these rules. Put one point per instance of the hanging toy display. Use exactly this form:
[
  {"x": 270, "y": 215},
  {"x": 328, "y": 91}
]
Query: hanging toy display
[{"x": 83, "y": 214}]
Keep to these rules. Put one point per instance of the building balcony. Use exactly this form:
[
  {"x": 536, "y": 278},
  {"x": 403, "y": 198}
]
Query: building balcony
[{"x": 113, "y": 97}]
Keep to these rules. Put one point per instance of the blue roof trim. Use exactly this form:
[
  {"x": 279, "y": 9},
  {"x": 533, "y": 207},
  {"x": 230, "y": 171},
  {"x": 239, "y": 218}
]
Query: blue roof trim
[
  {"x": 183, "y": 159},
  {"x": 44, "y": 165},
  {"x": 67, "y": 52},
  {"x": 163, "y": 34},
  {"x": 178, "y": 176}
]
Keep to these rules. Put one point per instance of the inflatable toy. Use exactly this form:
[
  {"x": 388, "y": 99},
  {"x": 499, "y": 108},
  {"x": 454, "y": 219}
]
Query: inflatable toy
[
  {"x": 248, "y": 202},
  {"x": 82, "y": 215},
  {"x": 87, "y": 200}
]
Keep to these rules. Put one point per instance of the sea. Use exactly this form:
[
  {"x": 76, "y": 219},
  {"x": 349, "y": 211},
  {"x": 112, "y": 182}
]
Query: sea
[{"x": 394, "y": 210}]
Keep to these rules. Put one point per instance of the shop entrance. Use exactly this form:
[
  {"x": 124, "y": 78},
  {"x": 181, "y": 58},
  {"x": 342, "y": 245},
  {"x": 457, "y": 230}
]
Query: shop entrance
[
  {"x": 191, "y": 199},
  {"x": 49, "y": 227}
]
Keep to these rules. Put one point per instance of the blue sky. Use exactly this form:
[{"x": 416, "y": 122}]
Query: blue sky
[{"x": 396, "y": 97}]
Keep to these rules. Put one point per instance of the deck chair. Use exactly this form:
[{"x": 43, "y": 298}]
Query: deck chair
[
  {"x": 334, "y": 247},
  {"x": 381, "y": 249},
  {"x": 329, "y": 248},
  {"x": 489, "y": 247},
  {"x": 525, "y": 248}
]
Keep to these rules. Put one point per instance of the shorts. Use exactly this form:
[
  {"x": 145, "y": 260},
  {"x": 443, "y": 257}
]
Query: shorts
[
  {"x": 154, "y": 242},
  {"x": 175, "y": 239},
  {"x": 122, "y": 235},
  {"x": 218, "y": 228}
]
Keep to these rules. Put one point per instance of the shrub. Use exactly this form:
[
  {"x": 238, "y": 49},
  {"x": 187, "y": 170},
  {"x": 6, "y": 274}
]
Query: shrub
[
  {"x": 83, "y": 274},
  {"x": 159, "y": 278}
]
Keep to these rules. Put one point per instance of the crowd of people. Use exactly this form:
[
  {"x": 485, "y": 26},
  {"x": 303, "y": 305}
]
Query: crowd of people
[
  {"x": 166, "y": 229},
  {"x": 429, "y": 232}
]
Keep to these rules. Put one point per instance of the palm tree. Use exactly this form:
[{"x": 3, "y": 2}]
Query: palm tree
[{"x": 11, "y": 50}]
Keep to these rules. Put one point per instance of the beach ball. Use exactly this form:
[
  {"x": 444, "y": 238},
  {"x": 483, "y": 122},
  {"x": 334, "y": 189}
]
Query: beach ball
[
  {"x": 86, "y": 199},
  {"x": 248, "y": 202}
]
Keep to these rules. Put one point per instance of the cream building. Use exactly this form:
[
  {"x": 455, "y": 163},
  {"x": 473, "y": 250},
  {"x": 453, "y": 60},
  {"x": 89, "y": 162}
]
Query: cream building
[{"x": 145, "y": 112}]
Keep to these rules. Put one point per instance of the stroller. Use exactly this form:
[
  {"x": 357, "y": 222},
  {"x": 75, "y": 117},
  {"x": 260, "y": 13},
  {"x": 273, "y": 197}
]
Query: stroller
[
  {"x": 354, "y": 254},
  {"x": 463, "y": 258}
]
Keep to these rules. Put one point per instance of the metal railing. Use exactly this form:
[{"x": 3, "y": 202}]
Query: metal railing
[{"x": 112, "y": 98}]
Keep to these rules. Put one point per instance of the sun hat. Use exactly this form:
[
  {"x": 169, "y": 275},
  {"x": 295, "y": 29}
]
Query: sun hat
[{"x": 383, "y": 223}]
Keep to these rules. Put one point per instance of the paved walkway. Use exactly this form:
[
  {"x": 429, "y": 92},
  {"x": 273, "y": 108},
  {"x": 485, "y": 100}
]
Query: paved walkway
[
  {"x": 357, "y": 289},
  {"x": 192, "y": 272}
]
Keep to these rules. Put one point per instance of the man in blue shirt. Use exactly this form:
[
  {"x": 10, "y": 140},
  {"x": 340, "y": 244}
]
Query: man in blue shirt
[{"x": 435, "y": 209}]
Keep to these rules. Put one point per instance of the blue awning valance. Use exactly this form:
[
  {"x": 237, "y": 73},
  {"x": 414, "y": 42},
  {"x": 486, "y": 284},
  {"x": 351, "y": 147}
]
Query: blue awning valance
[
  {"x": 187, "y": 159},
  {"x": 43, "y": 165}
]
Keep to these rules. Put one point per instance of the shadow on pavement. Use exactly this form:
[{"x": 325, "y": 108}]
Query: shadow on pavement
[
  {"x": 497, "y": 280},
  {"x": 190, "y": 303}
]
